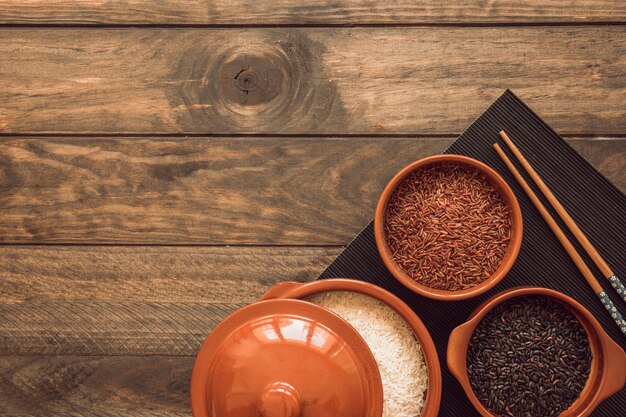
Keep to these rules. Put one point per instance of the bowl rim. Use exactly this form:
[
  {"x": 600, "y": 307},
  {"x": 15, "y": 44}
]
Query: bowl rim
[
  {"x": 431, "y": 358},
  {"x": 513, "y": 247},
  {"x": 599, "y": 341}
]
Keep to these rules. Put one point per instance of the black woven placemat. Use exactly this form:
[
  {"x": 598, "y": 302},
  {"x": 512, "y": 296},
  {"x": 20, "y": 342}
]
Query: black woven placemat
[{"x": 596, "y": 205}]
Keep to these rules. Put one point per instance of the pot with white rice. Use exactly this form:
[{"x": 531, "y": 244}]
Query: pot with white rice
[
  {"x": 401, "y": 344},
  {"x": 329, "y": 348}
]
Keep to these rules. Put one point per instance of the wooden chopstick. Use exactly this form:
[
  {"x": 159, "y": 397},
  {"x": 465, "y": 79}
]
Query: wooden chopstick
[
  {"x": 567, "y": 219},
  {"x": 569, "y": 248}
]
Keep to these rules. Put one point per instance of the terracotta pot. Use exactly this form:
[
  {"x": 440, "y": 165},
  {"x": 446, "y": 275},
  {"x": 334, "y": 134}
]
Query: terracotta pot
[
  {"x": 512, "y": 251},
  {"x": 608, "y": 367},
  {"x": 299, "y": 291},
  {"x": 285, "y": 358}
]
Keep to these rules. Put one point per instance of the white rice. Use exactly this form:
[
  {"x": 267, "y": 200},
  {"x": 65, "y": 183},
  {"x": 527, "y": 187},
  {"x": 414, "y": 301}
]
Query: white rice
[{"x": 395, "y": 348}]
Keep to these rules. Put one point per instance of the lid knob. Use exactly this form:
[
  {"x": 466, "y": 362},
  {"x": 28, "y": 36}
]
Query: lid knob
[{"x": 278, "y": 399}]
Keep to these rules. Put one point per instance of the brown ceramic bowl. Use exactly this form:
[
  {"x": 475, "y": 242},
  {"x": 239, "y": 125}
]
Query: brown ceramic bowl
[
  {"x": 608, "y": 367},
  {"x": 511, "y": 253},
  {"x": 299, "y": 290}
]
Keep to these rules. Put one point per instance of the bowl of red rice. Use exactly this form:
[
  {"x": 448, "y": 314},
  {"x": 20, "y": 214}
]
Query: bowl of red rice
[{"x": 448, "y": 227}]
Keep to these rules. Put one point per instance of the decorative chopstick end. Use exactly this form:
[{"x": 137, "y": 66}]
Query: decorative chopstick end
[
  {"x": 618, "y": 286},
  {"x": 610, "y": 307}
]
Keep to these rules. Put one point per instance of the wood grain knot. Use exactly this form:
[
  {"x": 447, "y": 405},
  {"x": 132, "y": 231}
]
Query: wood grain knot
[{"x": 258, "y": 82}]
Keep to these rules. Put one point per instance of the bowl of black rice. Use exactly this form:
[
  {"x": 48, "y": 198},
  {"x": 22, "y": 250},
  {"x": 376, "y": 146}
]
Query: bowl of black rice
[{"x": 535, "y": 352}]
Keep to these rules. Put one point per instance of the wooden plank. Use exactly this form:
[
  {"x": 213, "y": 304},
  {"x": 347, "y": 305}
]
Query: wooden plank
[
  {"x": 211, "y": 191},
  {"x": 134, "y": 300},
  {"x": 95, "y": 386},
  {"x": 399, "y": 80},
  {"x": 107, "y": 328},
  {"x": 196, "y": 191},
  {"x": 290, "y": 12},
  {"x": 159, "y": 274}
]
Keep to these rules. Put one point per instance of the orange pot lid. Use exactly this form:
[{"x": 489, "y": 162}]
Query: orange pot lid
[{"x": 285, "y": 358}]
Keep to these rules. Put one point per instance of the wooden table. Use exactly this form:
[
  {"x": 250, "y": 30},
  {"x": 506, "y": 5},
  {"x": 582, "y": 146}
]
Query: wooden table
[{"x": 163, "y": 163}]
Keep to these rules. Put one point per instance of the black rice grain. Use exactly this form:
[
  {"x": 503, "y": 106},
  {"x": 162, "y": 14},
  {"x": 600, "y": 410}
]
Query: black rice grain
[{"x": 529, "y": 357}]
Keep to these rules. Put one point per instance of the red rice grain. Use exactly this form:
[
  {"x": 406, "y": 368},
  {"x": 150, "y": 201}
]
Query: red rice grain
[{"x": 447, "y": 227}]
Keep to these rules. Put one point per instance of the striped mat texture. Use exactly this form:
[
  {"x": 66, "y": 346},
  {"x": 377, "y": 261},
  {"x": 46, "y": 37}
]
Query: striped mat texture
[{"x": 596, "y": 205}]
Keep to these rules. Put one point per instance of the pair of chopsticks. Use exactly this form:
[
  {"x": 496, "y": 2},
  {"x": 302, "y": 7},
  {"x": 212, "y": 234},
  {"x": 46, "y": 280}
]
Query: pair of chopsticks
[{"x": 573, "y": 227}]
